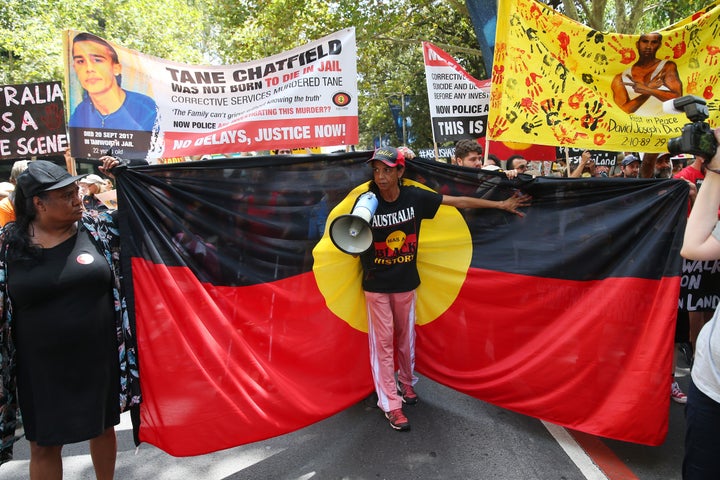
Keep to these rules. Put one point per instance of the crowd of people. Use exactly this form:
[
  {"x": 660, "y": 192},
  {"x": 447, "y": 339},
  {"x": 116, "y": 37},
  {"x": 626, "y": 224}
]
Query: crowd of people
[{"x": 47, "y": 220}]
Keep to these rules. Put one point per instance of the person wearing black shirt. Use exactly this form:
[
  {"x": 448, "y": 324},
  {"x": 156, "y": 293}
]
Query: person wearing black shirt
[{"x": 390, "y": 275}]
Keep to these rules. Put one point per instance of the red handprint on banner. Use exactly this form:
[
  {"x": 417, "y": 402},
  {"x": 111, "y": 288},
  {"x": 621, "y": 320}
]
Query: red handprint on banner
[
  {"x": 565, "y": 136},
  {"x": 540, "y": 20},
  {"x": 499, "y": 127},
  {"x": 495, "y": 98},
  {"x": 712, "y": 58},
  {"x": 527, "y": 104},
  {"x": 577, "y": 98},
  {"x": 692, "y": 86},
  {"x": 708, "y": 93},
  {"x": 627, "y": 54},
  {"x": 501, "y": 52},
  {"x": 519, "y": 65},
  {"x": 498, "y": 73},
  {"x": 600, "y": 139},
  {"x": 677, "y": 44},
  {"x": 52, "y": 117},
  {"x": 531, "y": 82},
  {"x": 564, "y": 42}
]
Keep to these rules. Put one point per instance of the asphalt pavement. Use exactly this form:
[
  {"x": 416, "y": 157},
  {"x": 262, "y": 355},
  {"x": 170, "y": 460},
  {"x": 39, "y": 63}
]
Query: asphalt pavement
[{"x": 453, "y": 436}]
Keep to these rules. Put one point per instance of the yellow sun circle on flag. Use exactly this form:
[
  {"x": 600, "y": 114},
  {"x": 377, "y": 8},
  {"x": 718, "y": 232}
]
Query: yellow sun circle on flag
[
  {"x": 517, "y": 145},
  {"x": 443, "y": 259}
]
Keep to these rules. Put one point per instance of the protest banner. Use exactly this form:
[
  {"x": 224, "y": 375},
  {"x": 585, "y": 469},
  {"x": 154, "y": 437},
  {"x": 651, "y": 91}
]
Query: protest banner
[
  {"x": 459, "y": 105},
  {"x": 458, "y": 102},
  {"x": 600, "y": 157},
  {"x": 305, "y": 97},
  {"x": 558, "y": 82},
  {"x": 33, "y": 121},
  {"x": 698, "y": 285}
]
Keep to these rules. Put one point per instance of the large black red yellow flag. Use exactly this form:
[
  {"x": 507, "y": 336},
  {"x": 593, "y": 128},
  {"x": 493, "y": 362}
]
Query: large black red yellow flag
[
  {"x": 249, "y": 319},
  {"x": 558, "y": 82}
]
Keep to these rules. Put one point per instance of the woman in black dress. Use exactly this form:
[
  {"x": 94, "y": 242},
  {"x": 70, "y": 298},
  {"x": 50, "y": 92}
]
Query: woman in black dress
[{"x": 60, "y": 311}]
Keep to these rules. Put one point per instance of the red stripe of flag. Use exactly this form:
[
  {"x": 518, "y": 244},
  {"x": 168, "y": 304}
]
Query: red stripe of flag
[
  {"x": 555, "y": 350},
  {"x": 226, "y": 366}
]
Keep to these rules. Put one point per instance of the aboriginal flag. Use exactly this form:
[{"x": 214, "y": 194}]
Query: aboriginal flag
[{"x": 249, "y": 319}]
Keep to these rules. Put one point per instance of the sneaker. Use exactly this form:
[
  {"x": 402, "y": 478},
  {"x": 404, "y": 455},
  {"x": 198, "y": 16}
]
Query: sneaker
[
  {"x": 409, "y": 396},
  {"x": 398, "y": 420},
  {"x": 676, "y": 394}
]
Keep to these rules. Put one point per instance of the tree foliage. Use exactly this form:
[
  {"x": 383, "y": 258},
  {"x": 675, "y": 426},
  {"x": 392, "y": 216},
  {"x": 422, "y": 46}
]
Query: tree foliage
[
  {"x": 628, "y": 16},
  {"x": 389, "y": 36}
]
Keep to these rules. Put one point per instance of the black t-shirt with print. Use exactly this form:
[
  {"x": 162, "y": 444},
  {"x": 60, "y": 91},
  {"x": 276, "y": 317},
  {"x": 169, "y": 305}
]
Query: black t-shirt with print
[{"x": 390, "y": 264}]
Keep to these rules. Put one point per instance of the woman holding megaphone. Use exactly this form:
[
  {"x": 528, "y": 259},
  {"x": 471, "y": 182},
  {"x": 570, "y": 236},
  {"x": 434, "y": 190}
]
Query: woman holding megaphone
[{"x": 390, "y": 275}]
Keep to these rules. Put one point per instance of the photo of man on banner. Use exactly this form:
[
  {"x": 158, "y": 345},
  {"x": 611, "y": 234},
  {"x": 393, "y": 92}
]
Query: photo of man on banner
[{"x": 130, "y": 117}]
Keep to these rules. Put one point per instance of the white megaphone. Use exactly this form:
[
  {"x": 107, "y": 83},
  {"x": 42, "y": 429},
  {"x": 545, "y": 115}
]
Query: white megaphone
[{"x": 352, "y": 233}]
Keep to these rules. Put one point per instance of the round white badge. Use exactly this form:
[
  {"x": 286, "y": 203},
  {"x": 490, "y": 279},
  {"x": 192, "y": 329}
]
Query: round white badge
[{"x": 85, "y": 259}]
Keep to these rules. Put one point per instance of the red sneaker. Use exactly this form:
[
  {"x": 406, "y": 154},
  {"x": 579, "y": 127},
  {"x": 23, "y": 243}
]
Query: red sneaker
[
  {"x": 676, "y": 394},
  {"x": 409, "y": 396},
  {"x": 398, "y": 420}
]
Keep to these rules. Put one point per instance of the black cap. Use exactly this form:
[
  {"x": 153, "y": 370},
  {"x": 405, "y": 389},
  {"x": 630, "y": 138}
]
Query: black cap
[{"x": 43, "y": 176}]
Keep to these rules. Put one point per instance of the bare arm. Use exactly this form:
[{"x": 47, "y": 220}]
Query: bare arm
[
  {"x": 699, "y": 243},
  {"x": 667, "y": 78},
  {"x": 647, "y": 166},
  {"x": 620, "y": 95},
  {"x": 510, "y": 204},
  {"x": 584, "y": 160}
]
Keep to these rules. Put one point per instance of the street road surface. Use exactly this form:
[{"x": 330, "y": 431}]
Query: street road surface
[{"x": 453, "y": 436}]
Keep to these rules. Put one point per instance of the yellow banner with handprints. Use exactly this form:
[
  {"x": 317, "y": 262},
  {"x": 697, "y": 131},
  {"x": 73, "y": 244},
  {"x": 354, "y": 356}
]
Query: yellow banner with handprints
[{"x": 557, "y": 82}]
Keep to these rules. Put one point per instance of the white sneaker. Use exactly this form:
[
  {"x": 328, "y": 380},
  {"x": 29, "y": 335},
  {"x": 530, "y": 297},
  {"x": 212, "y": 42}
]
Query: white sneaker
[{"x": 676, "y": 394}]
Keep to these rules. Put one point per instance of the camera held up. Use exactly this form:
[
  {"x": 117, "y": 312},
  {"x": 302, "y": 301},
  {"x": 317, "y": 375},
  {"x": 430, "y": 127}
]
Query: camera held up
[{"x": 697, "y": 137}]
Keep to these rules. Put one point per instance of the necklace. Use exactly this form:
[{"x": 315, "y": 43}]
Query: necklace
[{"x": 102, "y": 117}]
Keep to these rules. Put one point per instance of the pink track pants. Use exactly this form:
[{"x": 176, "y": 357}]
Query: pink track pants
[{"x": 391, "y": 323}]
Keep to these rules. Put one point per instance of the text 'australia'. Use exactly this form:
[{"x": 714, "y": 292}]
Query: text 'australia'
[{"x": 394, "y": 218}]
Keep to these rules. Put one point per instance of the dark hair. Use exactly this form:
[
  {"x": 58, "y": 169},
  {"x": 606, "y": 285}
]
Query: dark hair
[
  {"x": 651, "y": 33},
  {"x": 16, "y": 234},
  {"x": 465, "y": 146},
  {"x": 494, "y": 158},
  {"x": 509, "y": 163},
  {"x": 89, "y": 37}
]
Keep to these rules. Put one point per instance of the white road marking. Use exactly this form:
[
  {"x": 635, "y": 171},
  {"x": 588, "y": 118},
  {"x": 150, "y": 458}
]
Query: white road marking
[{"x": 581, "y": 459}]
